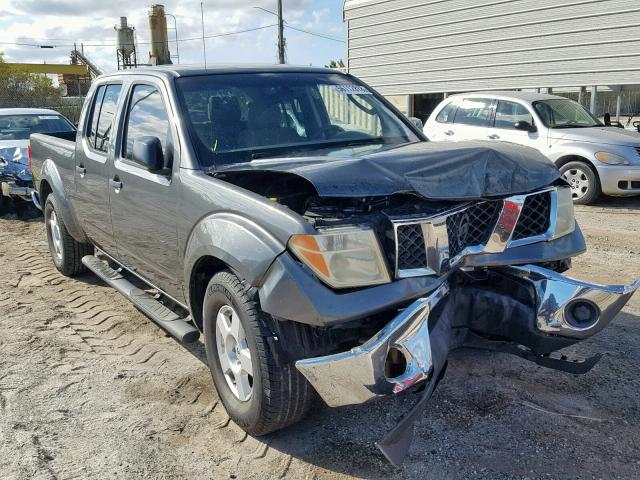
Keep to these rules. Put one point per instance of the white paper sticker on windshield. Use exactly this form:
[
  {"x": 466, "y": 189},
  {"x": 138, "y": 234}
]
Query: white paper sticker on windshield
[
  {"x": 47, "y": 117},
  {"x": 351, "y": 89}
]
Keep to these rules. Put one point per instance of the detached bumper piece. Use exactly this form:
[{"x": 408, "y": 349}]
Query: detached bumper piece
[
  {"x": 414, "y": 346},
  {"x": 10, "y": 189},
  {"x": 571, "y": 308}
]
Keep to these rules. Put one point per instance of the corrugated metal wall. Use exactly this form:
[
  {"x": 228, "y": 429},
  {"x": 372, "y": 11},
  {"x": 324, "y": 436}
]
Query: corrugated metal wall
[{"x": 409, "y": 46}]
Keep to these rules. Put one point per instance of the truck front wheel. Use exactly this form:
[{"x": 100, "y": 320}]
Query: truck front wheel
[
  {"x": 65, "y": 251},
  {"x": 260, "y": 393}
]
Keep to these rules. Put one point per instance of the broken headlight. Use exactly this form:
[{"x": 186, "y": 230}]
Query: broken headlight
[
  {"x": 565, "y": 218},
  {"x": 343, "y": 258}
]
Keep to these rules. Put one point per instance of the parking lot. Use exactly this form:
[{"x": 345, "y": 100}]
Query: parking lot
[{"x": 90, "y": 389}]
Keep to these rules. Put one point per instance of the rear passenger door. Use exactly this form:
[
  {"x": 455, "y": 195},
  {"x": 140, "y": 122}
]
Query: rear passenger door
[
  {"x": 144, "y": 203},
  {"x": 441, "y": 127},
  {"x": 93, "y": 155},
  {"x": 471, "y": 121}
]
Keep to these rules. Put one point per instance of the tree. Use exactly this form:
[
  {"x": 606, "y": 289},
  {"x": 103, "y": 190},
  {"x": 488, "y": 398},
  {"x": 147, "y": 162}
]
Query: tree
[
  {"x": 338, "y": 64},
  {"x": 20, "y": 88}
]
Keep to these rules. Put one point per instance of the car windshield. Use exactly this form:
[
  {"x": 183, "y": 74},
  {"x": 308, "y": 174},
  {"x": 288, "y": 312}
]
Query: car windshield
[
  {"x": 237, "y": 118},
  {"x": 564, "y": 113},
  {"x": 19, "y": 127}
]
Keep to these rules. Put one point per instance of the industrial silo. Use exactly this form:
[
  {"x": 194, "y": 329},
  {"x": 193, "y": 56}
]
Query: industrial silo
[{"x": 159, "y": 52}]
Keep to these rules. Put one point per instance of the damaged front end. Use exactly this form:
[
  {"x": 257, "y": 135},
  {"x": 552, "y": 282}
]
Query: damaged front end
[
  {"x": 529, "y": 311},
  {"x": 15, "y": 176}
]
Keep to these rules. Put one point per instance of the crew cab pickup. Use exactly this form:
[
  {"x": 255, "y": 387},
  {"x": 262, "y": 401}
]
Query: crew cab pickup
[{"x": 313, "y": 236}]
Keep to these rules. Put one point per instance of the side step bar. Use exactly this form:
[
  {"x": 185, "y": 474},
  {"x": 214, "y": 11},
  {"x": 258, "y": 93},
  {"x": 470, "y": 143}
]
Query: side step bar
[{"x": 178, "y": 327}]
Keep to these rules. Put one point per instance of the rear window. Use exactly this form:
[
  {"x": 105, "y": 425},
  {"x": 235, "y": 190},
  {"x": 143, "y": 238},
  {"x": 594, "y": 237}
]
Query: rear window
[
  {"x": 447, "y": 113},
  {"x": 474, "y": 111},
  {"x": 19, "y": 127}
]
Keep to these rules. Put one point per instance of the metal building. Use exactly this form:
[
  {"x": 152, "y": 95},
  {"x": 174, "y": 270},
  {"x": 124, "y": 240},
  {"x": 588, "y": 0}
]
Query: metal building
[{"x": 414, "y": 51}]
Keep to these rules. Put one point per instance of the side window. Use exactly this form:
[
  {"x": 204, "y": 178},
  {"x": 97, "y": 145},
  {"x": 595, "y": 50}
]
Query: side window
[
  {"x": 146, "y": 116},
  {"x": 474, "y": 111},
  {"x": 107, "y": 113},
  {"x": 447, "y": 113},
  {"x": 509, "y": 113},
  {"x": 92, "y": 121}
]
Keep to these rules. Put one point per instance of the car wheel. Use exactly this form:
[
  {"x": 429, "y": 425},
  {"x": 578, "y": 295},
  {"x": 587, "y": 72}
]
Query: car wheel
[
  {"x": 583, "y": 180},
  {"x": 260, "y": 392},
  {"x": 65, "y": 251}
]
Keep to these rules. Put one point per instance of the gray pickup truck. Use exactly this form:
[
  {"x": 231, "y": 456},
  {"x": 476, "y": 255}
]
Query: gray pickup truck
[{"x": 314, "y": 237}]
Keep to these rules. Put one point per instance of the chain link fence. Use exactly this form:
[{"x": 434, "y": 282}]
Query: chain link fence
[
  {"x": 606, "y": 102},
  {"x": 70, "y": 107}
]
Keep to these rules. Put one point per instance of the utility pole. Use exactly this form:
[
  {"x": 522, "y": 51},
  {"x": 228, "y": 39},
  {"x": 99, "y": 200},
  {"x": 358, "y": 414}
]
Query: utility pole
[
  {"x": 281, "y": 44},
  {"x": 204, "y": 45}
]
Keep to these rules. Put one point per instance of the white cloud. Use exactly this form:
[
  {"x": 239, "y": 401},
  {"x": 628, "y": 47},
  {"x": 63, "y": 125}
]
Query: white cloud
[{"x": 63, "y": 22}]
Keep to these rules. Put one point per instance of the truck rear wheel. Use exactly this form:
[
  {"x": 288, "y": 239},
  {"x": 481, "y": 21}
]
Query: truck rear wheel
[
  {"x": 65, "y": 251},
  {"x": 260, "y": 393}
]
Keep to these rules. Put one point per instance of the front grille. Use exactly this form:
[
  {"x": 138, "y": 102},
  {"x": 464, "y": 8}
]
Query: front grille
[
  {"x": 534, "y": 218},
  {"x": 412, "y": 253},
  {"x": 472, "y": 226},
  {"x": 637, "y": 150}
]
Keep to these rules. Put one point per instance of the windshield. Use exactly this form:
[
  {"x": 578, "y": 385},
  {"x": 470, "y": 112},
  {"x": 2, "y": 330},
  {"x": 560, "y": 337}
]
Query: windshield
[
  {"x": 19, "y": 127},
  {"x": 564, "y": 113},
  {"x": 242, "y": 117}
]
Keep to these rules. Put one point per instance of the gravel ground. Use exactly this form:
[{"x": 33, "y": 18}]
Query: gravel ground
[{"x": 91, "y": 389}]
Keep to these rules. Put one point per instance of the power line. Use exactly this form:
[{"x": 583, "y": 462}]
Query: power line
[
  {"x": 321, "y": 35},
  {"x": 217, "y": 35}
]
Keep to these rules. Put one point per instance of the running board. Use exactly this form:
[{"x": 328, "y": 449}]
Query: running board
[{"x": 178, "y": 327}]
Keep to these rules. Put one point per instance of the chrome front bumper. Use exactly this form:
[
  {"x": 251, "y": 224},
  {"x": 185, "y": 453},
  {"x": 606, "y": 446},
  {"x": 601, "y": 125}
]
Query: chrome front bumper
[
  {"x": 563, "y": 307},
  {"x": 358, "y": 375}
]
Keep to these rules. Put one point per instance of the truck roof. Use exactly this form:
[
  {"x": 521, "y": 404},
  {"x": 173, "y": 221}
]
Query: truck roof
[{"x": 194, "y": 70}]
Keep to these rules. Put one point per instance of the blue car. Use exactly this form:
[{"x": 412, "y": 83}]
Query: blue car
[{"x": 16, "y": 125}]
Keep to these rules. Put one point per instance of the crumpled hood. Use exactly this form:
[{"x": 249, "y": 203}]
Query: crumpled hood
[
  {"x": 14, "y": 159},
  {"x": 601, "y": 135},
  {"x": 435, "y": 170}
]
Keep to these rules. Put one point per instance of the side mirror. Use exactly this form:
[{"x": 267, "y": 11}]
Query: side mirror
[
  {"x": 525, "y": 126},
  {"x": 416, "y": 122},
  {"x": 147, "y": 152}
]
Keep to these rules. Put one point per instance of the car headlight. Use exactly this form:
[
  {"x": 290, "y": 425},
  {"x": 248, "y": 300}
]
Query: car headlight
[
  {"x": 565, "y": 216},
  {"x": 611, "y": 158},
  {"x": 343, "y": 258}
]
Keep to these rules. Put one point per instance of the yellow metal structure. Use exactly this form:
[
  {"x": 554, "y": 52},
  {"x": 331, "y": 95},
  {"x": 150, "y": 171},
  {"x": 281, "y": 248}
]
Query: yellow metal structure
[{"x": 49, "y": 68}]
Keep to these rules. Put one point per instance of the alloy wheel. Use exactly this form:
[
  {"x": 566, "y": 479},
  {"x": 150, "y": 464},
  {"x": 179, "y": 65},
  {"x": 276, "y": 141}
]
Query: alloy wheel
[
  {"x": 56, "y": 236},
  {"x": 233, "y": 353},
  {"x": 579, "y": 182}
]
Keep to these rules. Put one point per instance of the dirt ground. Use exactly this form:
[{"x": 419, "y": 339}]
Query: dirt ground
[{"x": 91, "y": 389}]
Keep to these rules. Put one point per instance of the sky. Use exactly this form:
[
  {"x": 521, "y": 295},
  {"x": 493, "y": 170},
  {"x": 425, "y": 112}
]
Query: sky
[{"x": 63, "y": 22}]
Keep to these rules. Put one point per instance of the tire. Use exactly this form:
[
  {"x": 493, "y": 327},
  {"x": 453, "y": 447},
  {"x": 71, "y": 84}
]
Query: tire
[
  {"x": 280, "y": 395},
  {"x": 65, "y": 251},
  {"x": 3, "y": 202},
  {"x": 584, "y": 181}
]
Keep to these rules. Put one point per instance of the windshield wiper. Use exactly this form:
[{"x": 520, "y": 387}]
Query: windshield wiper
[{"x": 275, "y": 151}]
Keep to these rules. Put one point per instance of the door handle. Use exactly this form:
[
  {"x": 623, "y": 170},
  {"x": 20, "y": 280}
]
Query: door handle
[
  {"x": 116, "y": 184},
  {"x": 449, "y": 132},
  {"x": 493, "y": 136},
  {"x": 81, "y": 171}
]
